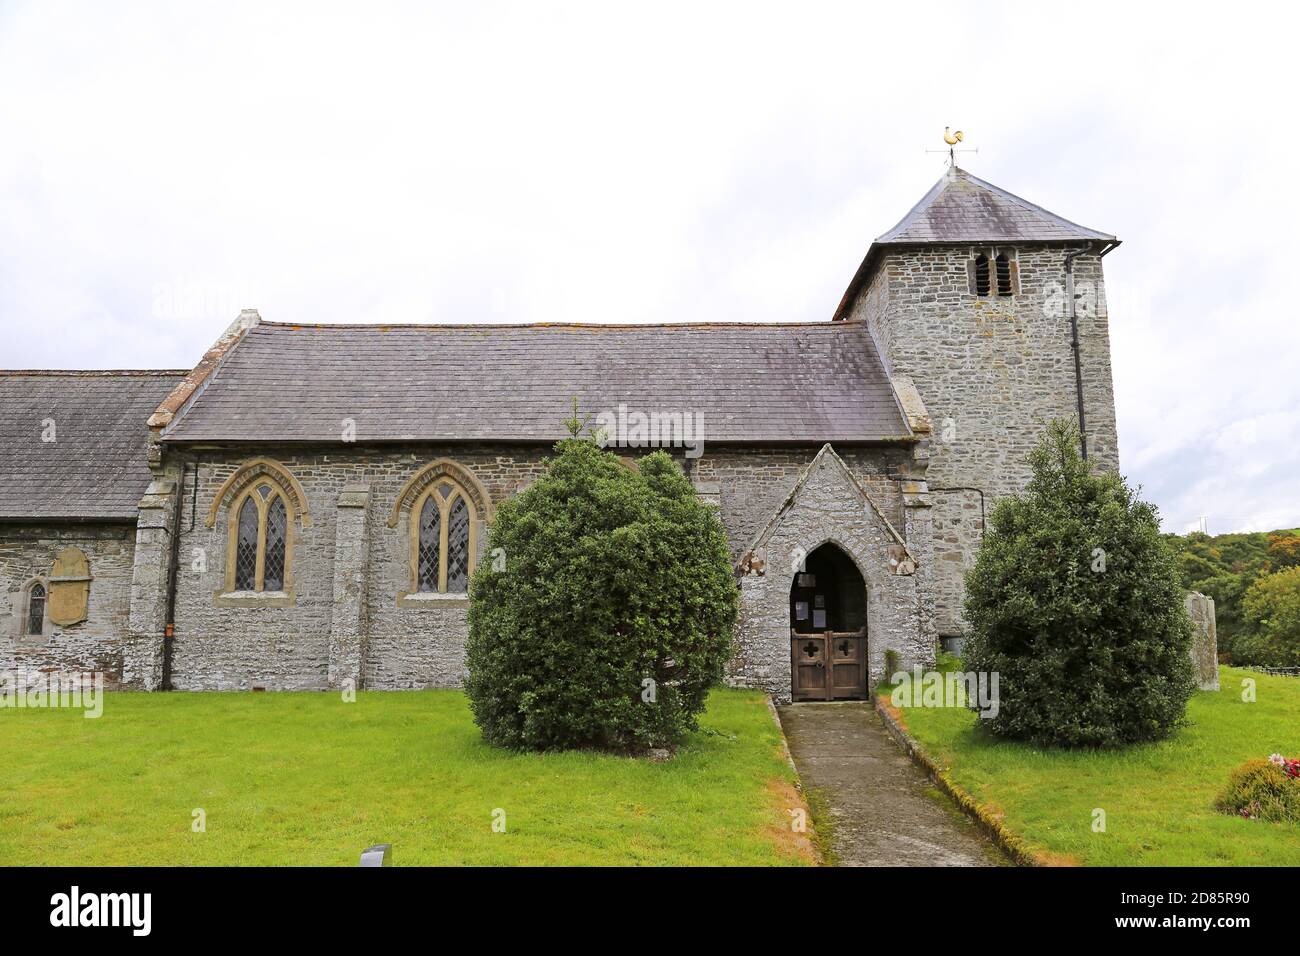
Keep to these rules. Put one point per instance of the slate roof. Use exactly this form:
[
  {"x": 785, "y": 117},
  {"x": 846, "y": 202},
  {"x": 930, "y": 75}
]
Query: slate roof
[
  {"x": 964, "y": 208},
  {"x": 95, "y": 468},
  {"x": 749, "y": 382}
]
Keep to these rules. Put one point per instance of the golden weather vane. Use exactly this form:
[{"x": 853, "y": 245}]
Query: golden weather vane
[{"x": 952, "y": 138}]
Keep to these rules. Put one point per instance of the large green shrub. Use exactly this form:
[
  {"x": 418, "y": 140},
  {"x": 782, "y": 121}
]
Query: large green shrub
[
  {"x": 1271, "y": 610},
  {"x": 1262, "y": 791},
  {"x": 1074, "y": 602},
  {"x": 604, "y": 611}
]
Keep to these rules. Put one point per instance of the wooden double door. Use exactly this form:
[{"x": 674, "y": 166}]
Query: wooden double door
[{"x": 829, "y": 665}]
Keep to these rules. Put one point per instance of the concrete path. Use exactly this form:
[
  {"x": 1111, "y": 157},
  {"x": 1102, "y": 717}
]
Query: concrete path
[{"x": 886, "y": 811}]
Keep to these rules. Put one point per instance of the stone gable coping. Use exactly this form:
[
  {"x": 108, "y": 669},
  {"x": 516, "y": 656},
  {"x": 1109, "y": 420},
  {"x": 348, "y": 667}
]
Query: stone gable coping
[
  {"x": 911, "y": 404},
  {"x": 904, "y": 561},
  {"x": 189, "y": 388}
]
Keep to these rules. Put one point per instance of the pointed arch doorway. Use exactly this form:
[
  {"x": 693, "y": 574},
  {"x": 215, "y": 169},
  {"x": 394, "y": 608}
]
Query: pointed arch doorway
[{"x": 828, "y": 628}]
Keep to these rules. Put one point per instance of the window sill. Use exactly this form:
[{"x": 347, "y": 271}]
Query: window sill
[
  {"x": 432, "y": 599},
  {"x": 254, "y": 599}
]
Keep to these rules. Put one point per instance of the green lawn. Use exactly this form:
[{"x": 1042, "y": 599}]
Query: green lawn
[
  {"x": 1158, "y": 798},
  {"x": 305, "y": 778}
]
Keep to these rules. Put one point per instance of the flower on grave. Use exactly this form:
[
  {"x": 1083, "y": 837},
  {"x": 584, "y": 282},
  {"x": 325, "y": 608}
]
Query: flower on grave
[{"x": 1290, "y": 767}]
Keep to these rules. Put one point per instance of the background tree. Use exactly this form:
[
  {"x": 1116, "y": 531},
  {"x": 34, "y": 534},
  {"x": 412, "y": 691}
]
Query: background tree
[
  {"x": 1271, "y": 610},
  {"x": 1074, "y": 600},
  {"x": 1224, "y": 566},
  {"x": 1283, "y": 550},
  {"x": 609, "y": 611}
]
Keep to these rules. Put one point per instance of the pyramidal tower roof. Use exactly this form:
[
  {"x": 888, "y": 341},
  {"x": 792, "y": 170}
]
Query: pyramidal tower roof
[{"x": 963, "y": 208}]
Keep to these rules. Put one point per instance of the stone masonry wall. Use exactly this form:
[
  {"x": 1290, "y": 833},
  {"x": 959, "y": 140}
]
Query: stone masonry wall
[
  {"x": 991, "y": 371},
  {"x": 93, "y": 645},
  {"x": 827, "y": 508},
  {"x": 222, "y": 647},
  {"x": 225, "y": 647}
]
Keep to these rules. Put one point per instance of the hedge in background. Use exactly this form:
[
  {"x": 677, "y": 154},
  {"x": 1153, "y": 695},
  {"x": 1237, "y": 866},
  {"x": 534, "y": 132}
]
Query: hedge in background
[
  {"x": 604, "y": 609},
  {"x": 1074, "y": 601}
]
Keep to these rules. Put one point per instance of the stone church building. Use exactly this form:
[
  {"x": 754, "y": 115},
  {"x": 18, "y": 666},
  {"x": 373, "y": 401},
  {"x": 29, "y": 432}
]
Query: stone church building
[{"x": 302, "y": 509}]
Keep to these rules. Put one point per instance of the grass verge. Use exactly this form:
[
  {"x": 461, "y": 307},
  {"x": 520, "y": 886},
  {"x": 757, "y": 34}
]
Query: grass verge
[
  {"x": 1157, "y": 799},
  {"x": 307, "y": 779}
]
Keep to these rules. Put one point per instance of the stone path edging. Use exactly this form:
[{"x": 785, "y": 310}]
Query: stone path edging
[
  {"x": 785, "y": 744},
  {"x": 798, "y": 780},
  {"x": 1011, "y": 844}
]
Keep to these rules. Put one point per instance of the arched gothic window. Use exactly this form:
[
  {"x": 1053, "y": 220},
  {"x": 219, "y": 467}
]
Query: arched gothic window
[
  {"x": 35, "y": 623},
  {"x": 442, "y": 539},
  {"x": 260, "y": 539}
]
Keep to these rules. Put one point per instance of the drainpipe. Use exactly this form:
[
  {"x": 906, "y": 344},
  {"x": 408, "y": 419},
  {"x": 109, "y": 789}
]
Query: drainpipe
[
  {"x": 1074, "y": 344},
  {"x": 173, "y": 569}
]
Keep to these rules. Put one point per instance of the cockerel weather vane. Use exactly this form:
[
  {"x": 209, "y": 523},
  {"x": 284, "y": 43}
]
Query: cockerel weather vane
[{"x": 952, "y": 138}]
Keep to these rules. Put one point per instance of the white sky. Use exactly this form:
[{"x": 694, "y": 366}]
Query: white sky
[{"x": 163, "y": 165}]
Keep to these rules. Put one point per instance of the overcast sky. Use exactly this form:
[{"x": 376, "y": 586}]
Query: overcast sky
[{"x": 162, "y": 166}]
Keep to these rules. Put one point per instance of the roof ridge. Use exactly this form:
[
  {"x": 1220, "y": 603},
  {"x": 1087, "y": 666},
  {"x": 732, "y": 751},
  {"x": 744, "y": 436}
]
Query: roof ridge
[
  {"x": 102, "y": 372},
  {"x": 711, "y": 324}
]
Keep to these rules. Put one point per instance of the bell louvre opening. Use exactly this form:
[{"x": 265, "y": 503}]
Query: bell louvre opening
[
  {"x": 981, "y": 275},
  {"x": 1004, "y": 274}
]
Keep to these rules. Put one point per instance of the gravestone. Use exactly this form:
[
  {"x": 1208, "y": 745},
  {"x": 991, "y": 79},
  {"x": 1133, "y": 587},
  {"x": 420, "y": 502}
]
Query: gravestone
[
  {"x": 1205, "y": 644},
  {"x": 381, "y": 854}
]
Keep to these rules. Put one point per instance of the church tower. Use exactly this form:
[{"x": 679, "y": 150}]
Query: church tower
[{"x": 996, "y": 310}]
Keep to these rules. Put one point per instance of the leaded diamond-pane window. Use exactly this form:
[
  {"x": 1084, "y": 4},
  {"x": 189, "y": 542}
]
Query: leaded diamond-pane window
[
  {"x": 36, "y": 609},
  {"x": 246, "y": 548},
  {"x": 277, "y": 525},
  {"x": 443, "y": 528},
  {"x": 260, "y": 556},
  {"x": 430, "y": 528},
  {"x": 458, "y": 547}
]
